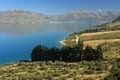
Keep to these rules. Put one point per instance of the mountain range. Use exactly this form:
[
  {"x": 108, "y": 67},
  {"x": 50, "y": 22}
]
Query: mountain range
[{"x": 80, "y": 16}]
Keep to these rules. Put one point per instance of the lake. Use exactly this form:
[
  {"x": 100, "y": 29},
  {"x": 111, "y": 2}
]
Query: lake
[{"x": 17, "y": 41}]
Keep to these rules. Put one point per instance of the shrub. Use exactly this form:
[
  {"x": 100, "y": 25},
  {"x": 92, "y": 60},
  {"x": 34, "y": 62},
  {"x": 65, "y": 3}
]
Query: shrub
[{"x": 89, "y": 72}]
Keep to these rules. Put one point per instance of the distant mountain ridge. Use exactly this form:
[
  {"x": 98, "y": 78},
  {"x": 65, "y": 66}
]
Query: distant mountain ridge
[
  {"x": 22, "y": 17},
  {"x": 90, "y": 17},
  {"x": 29, "y": 17},
  {"x": 117, "y": 20}
]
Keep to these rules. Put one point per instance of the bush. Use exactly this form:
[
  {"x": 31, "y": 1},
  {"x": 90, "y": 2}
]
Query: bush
[
  {"x": 89, "y": 72},
  {"x": 43, "y": 66}
]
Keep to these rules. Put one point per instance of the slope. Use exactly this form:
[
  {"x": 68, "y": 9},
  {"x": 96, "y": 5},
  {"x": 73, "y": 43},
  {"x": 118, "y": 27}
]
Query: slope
[{"x": 107, "y": 35}]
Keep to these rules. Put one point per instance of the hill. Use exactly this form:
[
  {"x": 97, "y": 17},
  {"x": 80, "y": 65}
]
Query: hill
[
  {"x": 117, "y": 20},
  {"x": 106, "y": 35},
  {"x": 29, "y": 17},
  {"x": 114, "y": 25},
  {"x": 111, "y": 26}
]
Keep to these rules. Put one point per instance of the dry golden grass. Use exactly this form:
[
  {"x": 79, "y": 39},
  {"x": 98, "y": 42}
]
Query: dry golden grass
[
  {"x": 94, "y": 76},
  {"x": 99, "y": 33},
  {"x": 113, "y": 24},
  {"x": 110, "y": 46},
  {"x": 95, "y": 43}
]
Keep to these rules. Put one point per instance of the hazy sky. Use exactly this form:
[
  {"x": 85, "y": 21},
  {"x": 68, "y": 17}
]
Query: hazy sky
[{"x": 60, "y": 6}]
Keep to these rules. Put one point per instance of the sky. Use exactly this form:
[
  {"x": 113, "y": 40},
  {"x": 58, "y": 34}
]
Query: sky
[{"x": 59, "y": 6}]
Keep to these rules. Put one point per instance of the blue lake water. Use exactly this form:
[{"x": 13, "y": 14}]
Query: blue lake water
[{"x": 17, "y": 41}]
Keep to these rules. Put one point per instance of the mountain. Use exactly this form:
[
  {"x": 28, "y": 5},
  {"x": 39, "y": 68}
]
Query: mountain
[
  {"x": 28, "y": 17},
  {"x": 22, "y": 17},
  {"x": 89, "y": 17},
  {"x": 114, "y": 25}
]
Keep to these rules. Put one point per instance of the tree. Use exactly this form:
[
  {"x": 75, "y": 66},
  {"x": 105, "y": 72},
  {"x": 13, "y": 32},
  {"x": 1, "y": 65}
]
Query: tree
[
  {"x": 39, "y": 53},
  {"x": 79, "y": 46},
  {"x": 35, "y": 53},
  {"x": 54, "y": 53},
  {"x": 68, "y": 54},
  {"x": 92, "y": 54},
  {"x": 99, "y": 52},
  {"x": 89, "y": 54},
  {"x": 78, "y": 50}
]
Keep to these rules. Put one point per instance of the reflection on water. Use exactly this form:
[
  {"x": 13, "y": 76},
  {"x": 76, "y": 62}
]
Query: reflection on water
[
  {"x": 21, "y": 29},
  {"x": 31, "y": 28},
  {"x": 70, "y": 28},
  {"x": 17, "y": 41}
]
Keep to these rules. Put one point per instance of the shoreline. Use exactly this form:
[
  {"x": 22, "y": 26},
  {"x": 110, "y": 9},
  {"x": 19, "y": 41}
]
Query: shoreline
[{"x": 63, "y": 42}]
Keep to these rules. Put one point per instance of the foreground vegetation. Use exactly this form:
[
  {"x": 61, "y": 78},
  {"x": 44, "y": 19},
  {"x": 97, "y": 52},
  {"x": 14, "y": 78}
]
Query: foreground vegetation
[{"x": 57, "y": 70}]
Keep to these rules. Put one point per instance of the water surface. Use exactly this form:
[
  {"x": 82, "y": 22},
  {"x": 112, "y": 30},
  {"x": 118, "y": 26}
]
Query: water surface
[{"x": 17, "y": 41}]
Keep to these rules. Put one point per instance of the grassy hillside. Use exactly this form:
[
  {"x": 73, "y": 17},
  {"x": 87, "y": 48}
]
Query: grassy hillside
[
  {"x": 107, "y": 35},
  {"x": 109, "y": 26},
  {"x": 117, "y": 20},
  {"x": 94, "y": 70}
]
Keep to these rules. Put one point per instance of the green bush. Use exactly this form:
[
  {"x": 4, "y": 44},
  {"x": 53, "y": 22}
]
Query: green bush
[{"x": 89, "y": 72}]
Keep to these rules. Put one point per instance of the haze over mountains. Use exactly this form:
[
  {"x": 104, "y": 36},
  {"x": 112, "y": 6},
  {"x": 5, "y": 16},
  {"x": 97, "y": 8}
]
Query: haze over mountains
[{"x": 29, "y": 17}]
